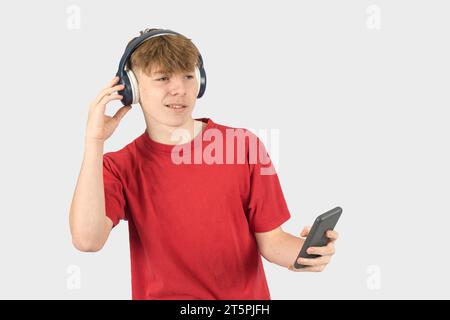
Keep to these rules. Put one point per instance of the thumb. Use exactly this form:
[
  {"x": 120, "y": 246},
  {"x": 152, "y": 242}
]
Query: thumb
[
  {"x": 121, "y": 112},
  {"x": 305, "y": 231}
]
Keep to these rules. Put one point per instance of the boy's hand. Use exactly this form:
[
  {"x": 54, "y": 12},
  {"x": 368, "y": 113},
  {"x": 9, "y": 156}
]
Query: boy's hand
[
  {"x": 326, "y": 252},
  {"x": 100, "y": 126}
]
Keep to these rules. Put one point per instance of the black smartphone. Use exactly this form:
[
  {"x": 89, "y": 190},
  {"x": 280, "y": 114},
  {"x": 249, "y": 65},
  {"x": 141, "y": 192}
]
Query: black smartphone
[{"x": 317, "y": 235}]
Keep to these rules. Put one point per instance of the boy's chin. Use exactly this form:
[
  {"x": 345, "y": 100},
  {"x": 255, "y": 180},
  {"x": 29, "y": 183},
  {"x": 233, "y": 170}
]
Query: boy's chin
[{"x": 176, "y": 120}]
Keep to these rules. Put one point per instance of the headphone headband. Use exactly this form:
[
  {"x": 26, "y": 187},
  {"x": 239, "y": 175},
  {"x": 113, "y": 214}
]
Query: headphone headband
[{"x": 135, "y": 43}]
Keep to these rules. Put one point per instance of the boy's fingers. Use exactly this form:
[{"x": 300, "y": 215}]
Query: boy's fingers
[
  {"x": 314, "y": 261},
  {"x": 113, "y": 89},
  {"x": 305, "y": 231},
  {"x": 333, "y": 235},
  {"x": 315, "y": 268},
  {"x": 108, "y": 91},
  {"x": 292, "y": 268},
  {"x": 323, "y": 251},
  {"x": 108, "y": 98},
  {"x": 121, "y": 112},
  {"x": 306, "y": 269},
  {"x": 112, "y": 82}
]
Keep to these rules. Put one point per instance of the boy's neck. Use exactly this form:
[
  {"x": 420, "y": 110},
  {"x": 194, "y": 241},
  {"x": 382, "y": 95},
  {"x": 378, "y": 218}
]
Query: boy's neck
[{"x": 162, "y": 133}]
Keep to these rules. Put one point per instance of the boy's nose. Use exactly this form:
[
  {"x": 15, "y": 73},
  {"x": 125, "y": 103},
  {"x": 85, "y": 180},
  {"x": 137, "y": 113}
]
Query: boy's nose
[{"x": 178, "y": 87}]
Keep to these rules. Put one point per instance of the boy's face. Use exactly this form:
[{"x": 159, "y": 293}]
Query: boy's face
[{"x": 158, "y": 90}]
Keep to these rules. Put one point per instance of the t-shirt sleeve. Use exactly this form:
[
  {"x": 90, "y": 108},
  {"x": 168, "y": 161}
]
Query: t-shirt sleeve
[
  {"x": 267, "y": 208},
  {"x": 114, "y": 192}
]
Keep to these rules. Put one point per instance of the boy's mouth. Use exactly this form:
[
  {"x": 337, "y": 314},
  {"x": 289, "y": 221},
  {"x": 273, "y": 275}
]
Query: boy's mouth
[{"x": 175, "y": 106}]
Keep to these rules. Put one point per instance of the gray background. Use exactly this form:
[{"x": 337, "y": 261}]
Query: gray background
[{"x": 361, "y": 108}]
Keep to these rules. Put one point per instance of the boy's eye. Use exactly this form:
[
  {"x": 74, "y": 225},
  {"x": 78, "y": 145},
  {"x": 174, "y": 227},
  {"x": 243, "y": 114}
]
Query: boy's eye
[{"x": 190, "y": 77}]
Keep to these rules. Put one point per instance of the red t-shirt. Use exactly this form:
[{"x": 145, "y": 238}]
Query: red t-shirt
[{"x": 191, "y": 225}]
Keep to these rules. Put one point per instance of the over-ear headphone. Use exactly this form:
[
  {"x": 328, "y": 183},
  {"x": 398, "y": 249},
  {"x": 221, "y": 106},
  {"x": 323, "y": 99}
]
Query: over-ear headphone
[{"x": 131, "y": 91}]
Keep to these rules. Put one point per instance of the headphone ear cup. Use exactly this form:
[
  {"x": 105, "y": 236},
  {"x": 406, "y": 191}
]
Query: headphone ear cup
[
  {"x": 202, "y": 81},
  {"x": 134, "y": 87},
  {"x": 127, "y": 93},
  {"x": 197, "y": 77}
]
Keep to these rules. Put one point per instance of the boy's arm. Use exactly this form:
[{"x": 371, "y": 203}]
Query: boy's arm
[
  {"x": 89, "y": 225},
  {"x": 279, "y": 247},
  {"x": 282, "y": 248}
]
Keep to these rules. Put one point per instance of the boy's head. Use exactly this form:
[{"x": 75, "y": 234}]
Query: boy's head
[{"x": 164, "y": 67}]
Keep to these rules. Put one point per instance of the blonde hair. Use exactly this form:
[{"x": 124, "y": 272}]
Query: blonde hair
[{"x": 168, "y": 54}]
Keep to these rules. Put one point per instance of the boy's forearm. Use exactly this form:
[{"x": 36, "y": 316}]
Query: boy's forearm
[
  {"x": 87, "y": 212},
  {"x": 284, "y": 249}
]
